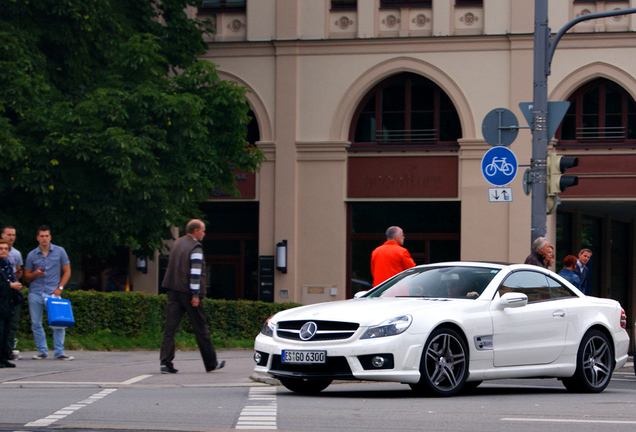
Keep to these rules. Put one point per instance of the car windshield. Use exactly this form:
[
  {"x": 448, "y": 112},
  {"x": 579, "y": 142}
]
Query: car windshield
[{"x": 438, "y": 282}]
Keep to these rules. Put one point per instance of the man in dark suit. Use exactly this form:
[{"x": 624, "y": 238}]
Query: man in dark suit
[{"x": 583, "y": 271}]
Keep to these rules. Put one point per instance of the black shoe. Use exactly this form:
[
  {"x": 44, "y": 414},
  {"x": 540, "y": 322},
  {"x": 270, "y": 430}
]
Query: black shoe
[
  {"x": 219, "y": 365},
  {"x": 2, "y": 366},
  {"x": 165, "y": 369},
  {"x": 8, "y": 364}
]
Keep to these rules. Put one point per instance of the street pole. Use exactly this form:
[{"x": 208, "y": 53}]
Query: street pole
[
  {"x": 543, "y": 53},
  {"x": 539, "y": 124}
]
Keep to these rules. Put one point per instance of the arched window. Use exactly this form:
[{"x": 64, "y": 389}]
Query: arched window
[
  {"x": 601, "y": 114},
  {"x": 406, "y": 110}
]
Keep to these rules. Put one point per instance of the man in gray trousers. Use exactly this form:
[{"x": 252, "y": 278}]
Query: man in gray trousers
[{"x": 185, "y": 282}]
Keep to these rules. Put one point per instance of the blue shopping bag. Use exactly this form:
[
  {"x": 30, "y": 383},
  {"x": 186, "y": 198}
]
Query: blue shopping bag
[{"x": 59, "y": 312}]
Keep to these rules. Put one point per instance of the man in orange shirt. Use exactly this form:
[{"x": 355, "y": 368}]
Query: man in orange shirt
[{"x": 390, "y": 258}]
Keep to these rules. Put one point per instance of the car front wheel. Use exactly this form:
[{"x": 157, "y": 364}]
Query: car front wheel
[
  {"x": 444, "y": 364},
  {"x": 305, "y": 386},
  {"x": 594, "y": 364}
]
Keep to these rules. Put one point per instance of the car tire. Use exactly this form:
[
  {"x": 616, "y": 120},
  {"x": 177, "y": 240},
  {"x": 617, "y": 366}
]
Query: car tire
[
  {"x": 444, "y": 364},
  {"x": 594, "y": 364},
  {"x": 305, "y": 386}
]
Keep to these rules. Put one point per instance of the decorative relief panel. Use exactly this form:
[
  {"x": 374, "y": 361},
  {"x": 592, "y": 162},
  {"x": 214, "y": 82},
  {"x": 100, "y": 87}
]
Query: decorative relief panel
[
  {"x": 343, "y": 24},
  {"x": 390, "y": 23},
  {"x": 421, "y": 22},
  {"x": 404, "y": 22},
  {"x": 616, "y": 23},
  {"x": 469, "y": 20},
  {"x": 225, "y": 27}
]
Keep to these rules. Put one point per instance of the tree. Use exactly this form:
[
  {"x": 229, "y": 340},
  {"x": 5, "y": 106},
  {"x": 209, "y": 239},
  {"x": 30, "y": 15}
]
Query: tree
[{"x": 111, "y": 129}]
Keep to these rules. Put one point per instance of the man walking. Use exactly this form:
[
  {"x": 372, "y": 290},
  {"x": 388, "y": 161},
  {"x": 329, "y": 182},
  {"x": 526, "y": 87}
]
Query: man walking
[
  {"x": 47, "y": 270},
  {"x": 185, "y": 282},
  {"x": 390, "y": 258},
  {"x": 15, "y": 260},
  {"x": 583, "y": 271}
]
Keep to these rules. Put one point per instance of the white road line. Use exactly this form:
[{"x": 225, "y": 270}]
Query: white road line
[
  {"x": 570, "y": 421},
  {"x": 135, "y": 379},
  {"x": 64, "y": 412},
  {"x": 96, "y": 383},
  {"x": 260, "y": 411}
]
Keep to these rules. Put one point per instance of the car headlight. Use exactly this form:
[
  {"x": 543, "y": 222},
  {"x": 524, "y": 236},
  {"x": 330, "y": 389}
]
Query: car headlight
[
  {"x": 268, "y": 328},
  {"x": 390, "y": 327}
]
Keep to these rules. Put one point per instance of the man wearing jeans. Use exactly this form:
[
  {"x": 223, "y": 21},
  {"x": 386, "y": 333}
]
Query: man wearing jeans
[{"x": 47, "y": 269}]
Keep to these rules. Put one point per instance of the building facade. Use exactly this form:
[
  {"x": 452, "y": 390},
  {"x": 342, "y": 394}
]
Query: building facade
[{"x": 370, "y": 115}]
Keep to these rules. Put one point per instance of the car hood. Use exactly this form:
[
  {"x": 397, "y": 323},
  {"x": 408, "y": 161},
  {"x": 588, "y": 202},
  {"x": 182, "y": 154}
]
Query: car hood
[{"x": 367, "y": 311}]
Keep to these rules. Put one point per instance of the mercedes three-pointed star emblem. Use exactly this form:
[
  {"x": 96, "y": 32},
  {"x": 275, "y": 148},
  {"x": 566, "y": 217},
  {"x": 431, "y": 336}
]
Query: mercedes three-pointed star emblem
[{"x": 308, "y": 330}]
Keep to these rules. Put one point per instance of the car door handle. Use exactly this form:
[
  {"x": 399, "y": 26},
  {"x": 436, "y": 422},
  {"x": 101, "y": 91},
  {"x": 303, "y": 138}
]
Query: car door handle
[{"x": 558, "y": 314}]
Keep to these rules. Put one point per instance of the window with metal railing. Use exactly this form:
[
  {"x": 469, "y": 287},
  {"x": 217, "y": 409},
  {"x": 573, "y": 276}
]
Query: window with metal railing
[
  {"x": 406, "y": 110},
  {"x": 601, "y": 114}
]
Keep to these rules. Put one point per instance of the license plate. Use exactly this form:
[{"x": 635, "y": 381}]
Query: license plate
[{"x": 306, "y": 357}]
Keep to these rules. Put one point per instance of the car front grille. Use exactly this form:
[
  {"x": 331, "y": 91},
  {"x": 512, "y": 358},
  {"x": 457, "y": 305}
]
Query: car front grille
[
  {"x": 327, "y": 330},
  {"x": 334, "y": 367}
]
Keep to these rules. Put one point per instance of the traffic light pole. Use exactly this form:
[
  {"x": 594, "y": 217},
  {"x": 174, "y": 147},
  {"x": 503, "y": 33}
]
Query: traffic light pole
[
  {"x": 543, "y": 53},
  {"x": 539, "y": 124}
]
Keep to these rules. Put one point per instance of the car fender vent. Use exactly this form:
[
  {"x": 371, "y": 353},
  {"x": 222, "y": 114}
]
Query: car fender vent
[{"x": 483, "y": 342}]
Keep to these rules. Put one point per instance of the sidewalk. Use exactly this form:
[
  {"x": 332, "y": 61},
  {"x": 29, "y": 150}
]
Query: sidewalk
[{"x": 131, "y": 368}]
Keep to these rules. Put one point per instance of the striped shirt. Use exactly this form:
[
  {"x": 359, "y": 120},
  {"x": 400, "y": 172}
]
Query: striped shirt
[{"x": 196, "y": 266}]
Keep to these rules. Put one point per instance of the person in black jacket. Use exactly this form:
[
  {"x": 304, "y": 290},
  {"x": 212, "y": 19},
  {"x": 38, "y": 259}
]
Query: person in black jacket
[
  {"x": 540, "y": 249},
  {"x": 8, "y": 299}
]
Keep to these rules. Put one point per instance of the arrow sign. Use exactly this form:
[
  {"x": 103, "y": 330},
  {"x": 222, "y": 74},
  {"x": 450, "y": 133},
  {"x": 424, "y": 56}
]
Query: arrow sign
[
  {"x": 556, "y": 112},
  {"x": 500, "y": 194}
]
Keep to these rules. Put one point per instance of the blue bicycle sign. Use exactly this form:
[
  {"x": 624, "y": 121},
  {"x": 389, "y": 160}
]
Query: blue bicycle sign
[{"x": 499, "y": 166}]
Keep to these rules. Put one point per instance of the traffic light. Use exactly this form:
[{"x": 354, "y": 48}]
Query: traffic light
[{"x": 556, "y": 182}]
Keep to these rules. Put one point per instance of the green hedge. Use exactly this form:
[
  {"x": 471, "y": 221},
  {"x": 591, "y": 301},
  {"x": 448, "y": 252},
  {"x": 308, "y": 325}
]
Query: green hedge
[{"x": 133, "y": 313}]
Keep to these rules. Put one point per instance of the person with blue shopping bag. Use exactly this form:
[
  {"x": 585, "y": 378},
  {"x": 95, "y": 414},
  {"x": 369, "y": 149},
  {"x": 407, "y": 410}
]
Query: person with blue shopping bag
[{"x": 47, "y": 270}]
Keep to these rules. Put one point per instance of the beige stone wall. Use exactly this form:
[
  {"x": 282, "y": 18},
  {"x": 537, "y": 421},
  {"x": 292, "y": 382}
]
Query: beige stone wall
[{"x": 307, "y": 72}]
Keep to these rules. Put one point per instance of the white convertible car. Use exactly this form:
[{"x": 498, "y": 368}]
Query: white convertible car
[{"x": 441, "y": 328}]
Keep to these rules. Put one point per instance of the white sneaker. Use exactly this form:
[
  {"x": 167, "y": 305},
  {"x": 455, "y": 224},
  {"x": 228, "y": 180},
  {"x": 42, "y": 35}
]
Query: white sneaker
[
  {"x": 65, "y": 357},
  {"x": 39, "y": 357}
]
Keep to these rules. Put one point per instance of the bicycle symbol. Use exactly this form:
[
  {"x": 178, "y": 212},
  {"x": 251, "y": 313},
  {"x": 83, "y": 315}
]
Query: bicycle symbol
[{"x": 499, "y": 165}]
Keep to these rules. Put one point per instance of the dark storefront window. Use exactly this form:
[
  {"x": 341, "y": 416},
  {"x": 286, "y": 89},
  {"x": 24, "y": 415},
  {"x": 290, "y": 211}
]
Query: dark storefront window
[
  {"x": 231, "y": 250},
  {"x": 431, "y": 230}
]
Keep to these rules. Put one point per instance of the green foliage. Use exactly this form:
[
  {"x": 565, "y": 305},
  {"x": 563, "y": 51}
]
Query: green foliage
[
  {"x": 111, "y": 129},
  {"x": 132, "y": 320}
]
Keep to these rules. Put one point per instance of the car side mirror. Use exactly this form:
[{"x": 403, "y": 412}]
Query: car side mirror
[
  {"x": 513, "y": 300},
  {"x": 359, "y": 294}
]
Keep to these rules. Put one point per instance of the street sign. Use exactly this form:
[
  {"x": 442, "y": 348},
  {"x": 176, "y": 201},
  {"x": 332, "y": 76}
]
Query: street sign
[
  {"x": 556, "y": 112},
  {"x": 527, "y": 181},
  {"x": 499, "y": 166},
  {"x": 500, "y": 194},
  {"x": 500, "y": 127}
]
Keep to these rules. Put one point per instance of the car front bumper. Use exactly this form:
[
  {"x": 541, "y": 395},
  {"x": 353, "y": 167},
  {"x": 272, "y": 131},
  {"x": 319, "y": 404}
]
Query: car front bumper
[{"x": 350, "y": 360}]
